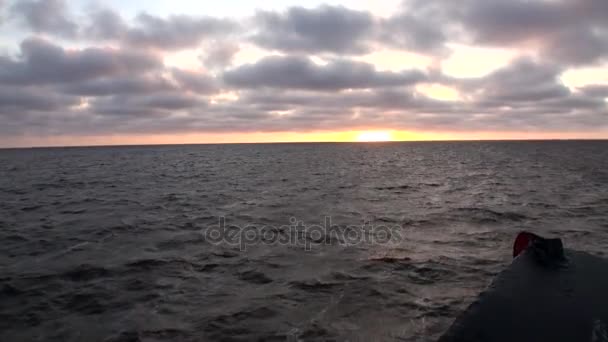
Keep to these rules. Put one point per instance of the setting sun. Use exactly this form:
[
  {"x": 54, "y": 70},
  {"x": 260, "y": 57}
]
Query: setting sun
[{"x": 374, "y": 136}]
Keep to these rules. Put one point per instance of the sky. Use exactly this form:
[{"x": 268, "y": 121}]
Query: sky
[{"x": 87, "y": 72}]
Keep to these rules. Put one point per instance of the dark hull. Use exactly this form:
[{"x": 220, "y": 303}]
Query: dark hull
[{"x": 530, "y": 301}]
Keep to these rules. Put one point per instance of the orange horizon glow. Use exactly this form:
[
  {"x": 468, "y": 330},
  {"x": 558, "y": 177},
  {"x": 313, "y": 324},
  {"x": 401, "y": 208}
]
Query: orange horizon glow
[
  {"x": 374, "y": 136},
  {"x": 288, "y": 137}
]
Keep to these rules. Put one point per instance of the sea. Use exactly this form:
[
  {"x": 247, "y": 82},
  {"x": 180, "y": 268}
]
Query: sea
[{"x": 278, "y": 242}]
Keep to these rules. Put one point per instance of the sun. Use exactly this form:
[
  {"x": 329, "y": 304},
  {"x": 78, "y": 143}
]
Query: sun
[{"x": 372, "y": 136}]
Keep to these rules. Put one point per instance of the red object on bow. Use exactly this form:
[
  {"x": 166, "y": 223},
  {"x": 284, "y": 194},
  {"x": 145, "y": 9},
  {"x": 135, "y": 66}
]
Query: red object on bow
[{"x": 523, "y": 241}]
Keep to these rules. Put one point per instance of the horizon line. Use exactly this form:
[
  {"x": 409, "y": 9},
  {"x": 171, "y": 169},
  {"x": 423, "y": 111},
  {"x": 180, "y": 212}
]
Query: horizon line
[{"x": 302, "y": 143}]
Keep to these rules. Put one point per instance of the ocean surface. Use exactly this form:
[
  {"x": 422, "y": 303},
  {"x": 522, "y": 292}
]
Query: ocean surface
[{"x": 278, "y": 242}]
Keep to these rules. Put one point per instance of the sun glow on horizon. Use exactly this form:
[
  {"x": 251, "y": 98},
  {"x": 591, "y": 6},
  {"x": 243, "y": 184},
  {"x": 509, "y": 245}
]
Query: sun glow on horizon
[{"x": 375, "y": 136}]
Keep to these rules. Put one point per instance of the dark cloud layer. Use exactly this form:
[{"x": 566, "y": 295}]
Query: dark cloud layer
[
  {"x": 50, "y": 16},
  {"x": 572, "y": 32},
  {"x": 338, "y": 30},
  {"x": 106, "y": 73},
  {"x": 323, "y": 29},
  {"x": 566, "y": 31},
  {"x": 16, "y": 101},
  {"x": 195, "y": 82},
  {"x": 148, "y": 31},
  {"x": 410, "y": 32},
  {"x": 596, "y": 90},
  {"x": 145, "y": 31},
  {"x": 126, "y": 85},
  {"x": 146, "y": 106},
  {"x": 175, "y": 32},
  {"x": 42, "y": 62},
  {"x": 523, "y": 81},
  {"x": 220, "y": 54},
  {"x": 301, "y": 73}
]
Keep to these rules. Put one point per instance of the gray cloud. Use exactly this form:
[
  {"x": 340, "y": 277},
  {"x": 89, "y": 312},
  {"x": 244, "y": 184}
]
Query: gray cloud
[
  {"x": 178, "y": 31},
  {"x": 410, "y": 32},
  {"x": 48, "y": 89},
  {"x": 131, "y": 85},
  {"x": 595, "y": 10},
  {"x": 523, "y": 96},
  {"x": 526, "y": 95},
  {"x": 528, "y": 87},
  {"x": 173, "y": 101},
  {"x": 195, "y": 82},
  {"x": 105, "y": 24},
  {"x": 304, "y": 111},
  {"x": 301, "y": 73},
  {"x": 144, "y": 31},
  {"x": 579, "y": 46},
  {"x": 324, "y": 29},
  {"x": 338, "y": 30},
  {"x": 17, "y": 101},
  {"x": 571, "y": 32},
  {"x": 146, "y": 105},
  {"x": 149, "y": 31},
  {"x": 600, "y": 91},
  {"x": 396, "y": 99},
  {"x": 524, "y": 80},
  {"x": 506, "y": 22},
  {"x": 44, "y": 63},
  {"x": 45, "y": 16},
  {"x": 219, "y": 55},
  {"x": 2, "y": 11}
]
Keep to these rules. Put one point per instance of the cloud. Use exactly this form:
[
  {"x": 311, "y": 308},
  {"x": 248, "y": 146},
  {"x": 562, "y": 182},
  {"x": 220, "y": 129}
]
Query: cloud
[
  {"x": 219, "y": 55},
  {"x": 175, "y": 32},
  {"x": 126, "y": 85},
  {"x": 195, "y": 82},
  {"x": 47, "y": 16},
  {"x": 523, "y": 80},
  {"x": 595, "y": 10},
  {"x": 164, "y": 104},
  {"x": 409, "y": 32},
  {"x": 524, "y": 86},
  {"x": 334, "y": 29},
  {"x": 508, "y": 22},
  {"x": 144, "y": 31},
  {"x": 570, "y": 32},
  {"x": 42, "y": 62},
  {"x": 295, "y": 72},
  {"x": 339, "y": 30},
  {"x": 600, "y": 91},
  {"x": 500, "y": 101},
  {"x": 17, "y": 101},
  {"x": 148, "y": 31},
  {"x": 2, "y": 11},
  {"x": 579, "y": 46},
  {"x": 105, "y": 24},
  {"x": 397, "y": 99},
  {"x": 112, "y": 79}
]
